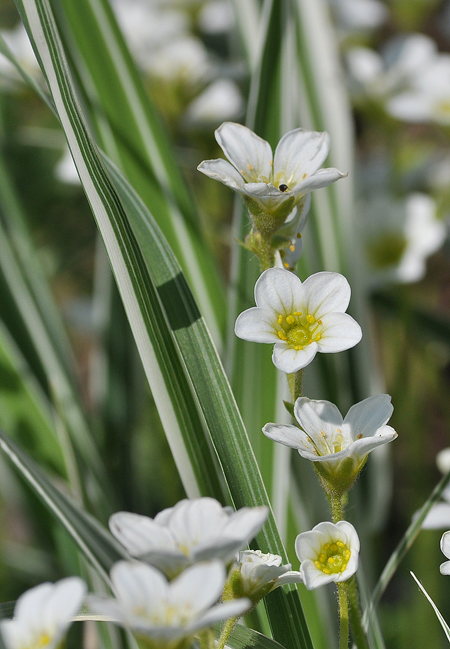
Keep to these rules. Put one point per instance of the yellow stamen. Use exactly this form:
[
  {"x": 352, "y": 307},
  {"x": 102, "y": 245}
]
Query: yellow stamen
[
  {"x": 280, "y": 319},
  {"x": 250, "y": 167},
  {"x": 290, "y": 319}
]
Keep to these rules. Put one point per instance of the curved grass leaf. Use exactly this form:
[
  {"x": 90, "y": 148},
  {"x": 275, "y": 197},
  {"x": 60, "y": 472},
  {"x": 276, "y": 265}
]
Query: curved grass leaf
[{"x": 99, "y": 547}]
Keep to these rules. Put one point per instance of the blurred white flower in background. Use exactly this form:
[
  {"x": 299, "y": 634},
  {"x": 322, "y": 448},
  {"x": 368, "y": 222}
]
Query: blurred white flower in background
[
  {"x": 194, "y": 530},
  {"x": 221, "y": 101},
  {"x": 438, "y": 517},
  {"x": 65, "y": 169},
  {"x": 359, "y": 15},
  {"x": 43, "y": 614},
  {"x": 428, "y": 99},
  {"x": 329, "y": 552},
  {"x": 169, "y": 614},
  {"x": 399, "y": 235},
  {"x": 216, "y": 17},
  {"x": 445, "y": 549},
  {"x": 19, "y": 44},
  {"x": 402, "y": 59}
]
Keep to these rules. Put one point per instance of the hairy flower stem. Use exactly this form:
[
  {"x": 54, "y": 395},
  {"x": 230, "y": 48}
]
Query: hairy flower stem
[
  {"x": 359, "y": 635},
  {"x": 343, "y": 614},
  {"x": 226, "y": 630},
  {"x": 337, "y": 508}
]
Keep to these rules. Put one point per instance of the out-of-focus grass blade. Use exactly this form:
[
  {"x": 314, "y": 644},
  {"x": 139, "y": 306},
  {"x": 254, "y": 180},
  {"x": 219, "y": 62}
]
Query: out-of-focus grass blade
[
  {"x": 404, "y": 545},
  {"x": 136, "y": 141},
  {"x": 170, "y": 387},
  {"x": 24, "y": 408},
  {"x": 248, "y": 19},
  {"x": 99, "y": 547},
  {"x": 439, "y": 616}
]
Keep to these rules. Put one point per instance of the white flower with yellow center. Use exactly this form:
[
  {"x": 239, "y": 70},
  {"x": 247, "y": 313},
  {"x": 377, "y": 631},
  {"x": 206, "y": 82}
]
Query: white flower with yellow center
[
  {"x": 329, "y": 552},
  {"x": 257, "y": 574},
  {"x": 301, "y": 318},
  {"x": 167, "y": 613},
  {"x": 194, "y": 530},
  {"x": 271, "y": 184},
  {"x": 338, "y": 446},
  {"x": 43, "y": 614}
]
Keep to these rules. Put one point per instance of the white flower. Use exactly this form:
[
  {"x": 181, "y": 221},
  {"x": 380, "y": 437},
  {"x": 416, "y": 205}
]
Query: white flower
[
  {"x": 260, "y": 573},
  {"x": 194, "y": 530},
  {"x": 400, "y": 235},
  {"x": 339, "y": 445},
  {"x": 445, "y": 549},
  {"x": 271, "y": 184},
  {"x": 329, "y": 552},
  {"x": 168, "y": 613},
  {"x": 360, "y": 15},
  {"x": 43, "y": 614},
  {"x": 300, "y": 318}
]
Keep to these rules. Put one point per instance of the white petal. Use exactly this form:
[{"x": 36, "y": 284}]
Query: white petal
[
  {"x": 339, "y": 332},
  {"x": 234, "y": 608},
  {"x": 140, "y": 534},
  {"x": 138, "y": 585},
  {"x": 383, "y": 435},
  {"x": 321, "y": 178},
  {"x": 279, "y": 290},
  {"x": 246, "y": 523},
  {"x": 257, "y": 325},
  {"x": 317, "y": 417},
  {"x": 242, "y": 147},
  {"x": 312, "y": 576},
  {"x": 200, "y": 586},
  {"x": 285, "y": 434},
  {"x": 445, "y": 568},
  {"x": 224, "y": 172},
  {"x": 445, "y": 544},
  {"x": 291, "y": 577},
  {"x": 197, "y": 520},
  {"x": 291, "y": 360},
  {"x": 411, "y": 107},
  {"x": 365, "y": 417},
  {"x": 326, "y": 292},
  {"x": 300, "y": 153}
]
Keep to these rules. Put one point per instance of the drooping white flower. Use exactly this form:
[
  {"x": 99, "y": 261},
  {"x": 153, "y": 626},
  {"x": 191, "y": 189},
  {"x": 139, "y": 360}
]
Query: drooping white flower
[
  {"x": 271, "y": 184},
  {"x": 445, "y": 549},
  {"x": 399, "y": 236},
  {"x": 43, "y": 614},
  {"x": 301, "y": 318},
  {"x": 194, "y": 530},
  {"x": 257, "y": 574},
  {"x": 339, "y": 445},
  {"x": 329, "y": 552},
  {"x": 168, "y": 613}
]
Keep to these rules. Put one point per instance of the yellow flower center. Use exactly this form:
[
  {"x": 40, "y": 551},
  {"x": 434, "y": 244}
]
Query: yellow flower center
[
  {"x": 333, "y": 558},
  {"x": 299, "y": 330}
]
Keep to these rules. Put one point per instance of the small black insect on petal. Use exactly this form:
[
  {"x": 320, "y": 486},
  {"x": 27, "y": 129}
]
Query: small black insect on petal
[{"x": 283, "y": 187}]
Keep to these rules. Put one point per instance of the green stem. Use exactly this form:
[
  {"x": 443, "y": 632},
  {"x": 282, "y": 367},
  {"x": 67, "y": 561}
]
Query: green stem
[
  {"x": 298, "y": 384},
  {"x": 359, "y": 635},
  {"x": 343, "y": 615},
  {"x": 227, "y": 629},
  {"x": 337, "y": 508}
]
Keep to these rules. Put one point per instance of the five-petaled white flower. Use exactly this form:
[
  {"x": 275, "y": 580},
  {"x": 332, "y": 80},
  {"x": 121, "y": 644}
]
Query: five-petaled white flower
[
  {"x": 271, "y": 184},
  {"x": 445, "y": 549},
  {"x": 301, "y": 318},
  {"x": 168, "y": 613},
  {"x": 194, "y": 530},
  {"x": 257, "y": 574},
  {"x": 339, "y": 445},
  {"x": 329, "y": 552},
  {"x": 43, "y": 614}
]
